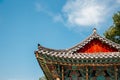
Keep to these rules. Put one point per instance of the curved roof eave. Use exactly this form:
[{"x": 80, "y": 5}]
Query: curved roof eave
[{"x": 94, "y": 35}]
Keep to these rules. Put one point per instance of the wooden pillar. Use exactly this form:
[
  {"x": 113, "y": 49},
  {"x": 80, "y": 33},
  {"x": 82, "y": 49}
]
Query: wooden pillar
[
  {"x": 86, "y": 72},
  {"x": 62, "y": 73},
  {"x": 115, "y": 69}
]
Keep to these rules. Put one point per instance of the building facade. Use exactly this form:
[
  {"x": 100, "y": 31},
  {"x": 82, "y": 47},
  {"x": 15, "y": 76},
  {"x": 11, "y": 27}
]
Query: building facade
[{"x": 95, "y": 58}]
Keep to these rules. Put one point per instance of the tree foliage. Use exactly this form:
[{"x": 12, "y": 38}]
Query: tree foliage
[{"x": 113, "y": 33}]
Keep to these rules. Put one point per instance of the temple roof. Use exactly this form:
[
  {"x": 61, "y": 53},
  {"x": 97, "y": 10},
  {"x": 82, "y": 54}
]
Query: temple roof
[
  {"x": 72, "y": 52},
  {"x": 93, "y": 51}
]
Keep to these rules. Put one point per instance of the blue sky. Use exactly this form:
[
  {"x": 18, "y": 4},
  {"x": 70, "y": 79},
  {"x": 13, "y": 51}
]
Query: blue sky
[{"x": 57, "y": 24}]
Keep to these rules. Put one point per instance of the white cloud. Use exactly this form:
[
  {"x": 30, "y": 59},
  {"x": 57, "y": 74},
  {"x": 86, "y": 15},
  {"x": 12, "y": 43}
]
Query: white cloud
[
  {"x": 42, "y": 8},
  {"x": 38, "y": 6},
  {"x": 58, "y": 18},
  {"x": 84, "y": 12},
  {"x": 118, "y": 1}
]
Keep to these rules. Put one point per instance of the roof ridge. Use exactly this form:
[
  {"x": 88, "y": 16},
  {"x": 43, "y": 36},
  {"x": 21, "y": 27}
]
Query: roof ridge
[
  {"x": 92, "y": 36},
  {"x": 49, "y": 49}
]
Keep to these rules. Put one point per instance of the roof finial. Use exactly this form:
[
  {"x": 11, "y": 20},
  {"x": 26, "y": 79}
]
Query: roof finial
[
  {"x": 38, "y": 44},
  {"x": 94, "y": 30}
]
